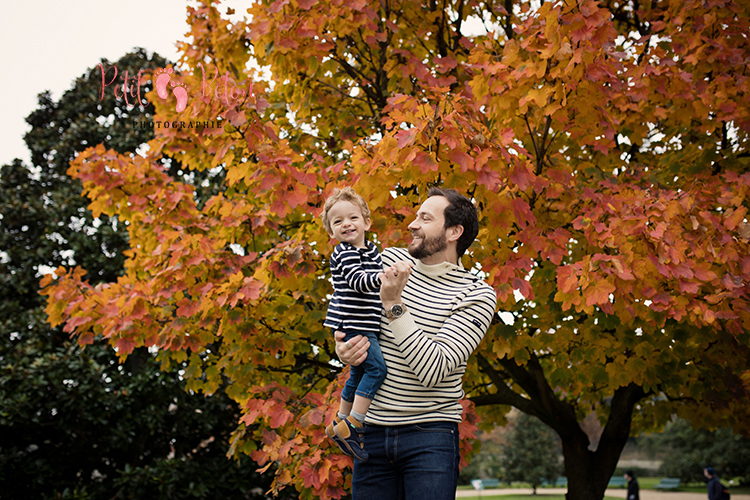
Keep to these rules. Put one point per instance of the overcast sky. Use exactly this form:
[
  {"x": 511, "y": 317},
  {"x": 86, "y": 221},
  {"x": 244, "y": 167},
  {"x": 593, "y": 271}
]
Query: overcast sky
[{"x": 47, "y": 44}]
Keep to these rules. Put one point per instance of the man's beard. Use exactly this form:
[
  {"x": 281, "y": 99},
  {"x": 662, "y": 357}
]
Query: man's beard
[{"x": 428, "y": 247}]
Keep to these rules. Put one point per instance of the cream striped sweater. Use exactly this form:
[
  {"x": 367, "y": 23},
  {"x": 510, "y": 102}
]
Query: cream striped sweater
[{"x": 448, "y": 312}]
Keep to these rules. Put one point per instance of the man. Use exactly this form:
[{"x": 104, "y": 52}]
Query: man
[
  {"x": 435, "y": 315},
  {"x": 633, "y": 489},
  {"x": 715, "y": 488}
]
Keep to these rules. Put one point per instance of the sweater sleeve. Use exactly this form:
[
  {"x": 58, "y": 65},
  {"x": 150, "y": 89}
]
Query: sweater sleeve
[
  {"x": 359, "y": 279},
  {"x": 433, "y": 359}
]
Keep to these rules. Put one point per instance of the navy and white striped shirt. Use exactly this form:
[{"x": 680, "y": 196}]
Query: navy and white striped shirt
[
  {"x": 448, "y": 313},
  {"x": 355, "y": 305}
]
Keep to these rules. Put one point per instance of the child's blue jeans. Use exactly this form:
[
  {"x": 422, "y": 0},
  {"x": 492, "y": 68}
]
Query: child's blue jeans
[{"x": 365, "y": 379}]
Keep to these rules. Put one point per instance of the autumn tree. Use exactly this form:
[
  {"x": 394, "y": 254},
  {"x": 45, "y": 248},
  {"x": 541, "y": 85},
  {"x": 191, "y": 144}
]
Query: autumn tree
[{"x": 606, "y": 145}]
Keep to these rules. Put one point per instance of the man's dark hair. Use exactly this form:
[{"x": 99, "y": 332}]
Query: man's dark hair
[{"x": 460, "y": 212}]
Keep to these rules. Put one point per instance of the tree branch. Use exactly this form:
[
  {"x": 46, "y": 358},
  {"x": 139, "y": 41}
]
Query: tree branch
[{"x": 504, "y": 395}]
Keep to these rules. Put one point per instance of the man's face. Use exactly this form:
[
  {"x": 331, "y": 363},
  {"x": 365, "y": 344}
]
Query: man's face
[{"x": 428, "y": 229}]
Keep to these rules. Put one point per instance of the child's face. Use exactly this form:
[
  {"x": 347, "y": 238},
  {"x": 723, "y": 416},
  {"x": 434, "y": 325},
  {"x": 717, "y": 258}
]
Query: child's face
[{"x": 347, "y": 223}]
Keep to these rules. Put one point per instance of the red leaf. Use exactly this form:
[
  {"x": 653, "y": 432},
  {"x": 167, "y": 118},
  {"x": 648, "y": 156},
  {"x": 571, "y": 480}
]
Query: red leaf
[
  {"x": 186, "y": 308},
  {"x": 621, "y": 271},
  {"x": 425, "y": 162},
  {"x": 124, "y": 346},
  {"x": 524, "y": 287},
  {"x": 357, "y": 4},
  {"x": 405, "y": 137},
  {"x": 521, "y": 177},
  {"x": 589, "y": 8},
  {"x": 489, "y": 178},
  {"x": 280, "y": 417},
  {"x": 734, "y": 217},
  {"x": 462, "y": 159},
  {"x": 251, "y": 290},
  {"x": 732, "y": 282},
  {"x": 745, "y": 266},
  {"x": 309, "y": 477},
  {"x": 72, "y": 323},
  {"x": 202, "y": 290},
  {"x": 690, "y": 287},
  {"x": 523, "y": 213},
  {"x": 277, "y": 6},
  {"x": 567, "y": 281}
]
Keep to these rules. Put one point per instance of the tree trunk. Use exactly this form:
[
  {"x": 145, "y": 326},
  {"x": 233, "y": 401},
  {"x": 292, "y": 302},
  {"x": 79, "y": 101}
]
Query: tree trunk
[
  {"x": 581, "y": 469},
  {"x": 588, "y": 471}
]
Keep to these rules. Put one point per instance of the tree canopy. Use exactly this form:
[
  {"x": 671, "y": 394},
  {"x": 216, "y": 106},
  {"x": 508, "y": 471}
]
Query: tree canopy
[{"x": 605, "y": 143}]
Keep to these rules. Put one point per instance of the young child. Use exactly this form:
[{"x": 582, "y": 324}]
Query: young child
[{"x": 355, "y": 309}]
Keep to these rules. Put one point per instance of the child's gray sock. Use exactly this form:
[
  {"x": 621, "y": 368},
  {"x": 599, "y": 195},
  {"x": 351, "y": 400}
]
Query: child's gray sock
[
  {"x": 360, "y": 418},
  {"x": 342, "y": 416}
]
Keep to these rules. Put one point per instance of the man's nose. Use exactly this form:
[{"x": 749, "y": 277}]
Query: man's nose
[{"x": 413, "y": 224}]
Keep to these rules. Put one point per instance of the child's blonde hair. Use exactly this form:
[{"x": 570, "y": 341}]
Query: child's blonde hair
[{"x": 343, "y": 194}]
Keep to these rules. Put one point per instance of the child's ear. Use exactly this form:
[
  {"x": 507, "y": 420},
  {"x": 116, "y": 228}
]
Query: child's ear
[{"x": 368, "y": 223}]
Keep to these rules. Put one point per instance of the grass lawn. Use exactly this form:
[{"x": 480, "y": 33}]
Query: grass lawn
[
  {"x": 734, "y": 490},
  {"x": 646, "y": 483},
  {"x": 527, "y": 496}
]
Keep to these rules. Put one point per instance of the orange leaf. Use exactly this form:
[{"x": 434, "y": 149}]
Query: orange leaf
[{"x": 598, "y": 292}]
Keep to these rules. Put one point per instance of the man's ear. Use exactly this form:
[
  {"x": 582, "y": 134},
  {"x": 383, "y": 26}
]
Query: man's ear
[{"x": 455, "y": 232}]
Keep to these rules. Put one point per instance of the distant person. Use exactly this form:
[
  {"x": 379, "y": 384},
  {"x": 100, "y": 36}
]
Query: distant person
[
  {"x": 715, "y": 488},
  {"x": 633, "y": 489}
]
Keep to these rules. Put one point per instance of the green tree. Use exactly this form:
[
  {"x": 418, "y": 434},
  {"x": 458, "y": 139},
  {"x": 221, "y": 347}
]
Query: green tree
[
  {"x": 686, "y": 451},
  {"x": 487, "y": 463},
  {"x": 74, "y": 422},
  {"x": 531, "y": 453}
]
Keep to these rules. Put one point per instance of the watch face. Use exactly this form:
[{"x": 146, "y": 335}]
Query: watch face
[{"x": 397, "y": 310}]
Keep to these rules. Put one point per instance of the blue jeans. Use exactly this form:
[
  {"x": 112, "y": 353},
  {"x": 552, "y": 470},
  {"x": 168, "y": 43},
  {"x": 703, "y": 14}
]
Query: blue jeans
[
  {"x": 365, "y": 379},
  {"x": 408, "y": 462}
]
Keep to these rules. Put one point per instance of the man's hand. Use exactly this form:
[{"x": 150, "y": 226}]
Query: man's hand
[
  {"x": 353, "y": 351},
  {"x": 392, "y": 283}
]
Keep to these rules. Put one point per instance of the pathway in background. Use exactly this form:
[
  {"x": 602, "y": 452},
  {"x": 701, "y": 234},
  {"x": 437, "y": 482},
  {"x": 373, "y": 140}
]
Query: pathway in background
[{"x": 617, "y": 493}]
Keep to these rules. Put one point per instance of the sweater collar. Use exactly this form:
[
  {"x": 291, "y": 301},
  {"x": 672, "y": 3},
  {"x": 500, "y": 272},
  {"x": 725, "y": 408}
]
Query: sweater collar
[{"x": 437, "y": 269}]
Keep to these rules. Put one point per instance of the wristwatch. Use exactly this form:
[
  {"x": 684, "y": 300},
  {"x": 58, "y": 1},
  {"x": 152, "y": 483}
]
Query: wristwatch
[{"x": 396, "y": 311}]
